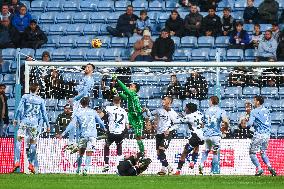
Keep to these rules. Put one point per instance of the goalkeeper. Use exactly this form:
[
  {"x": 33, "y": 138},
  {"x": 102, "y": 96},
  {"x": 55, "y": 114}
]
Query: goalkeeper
[{"x": 135, "y": 111}]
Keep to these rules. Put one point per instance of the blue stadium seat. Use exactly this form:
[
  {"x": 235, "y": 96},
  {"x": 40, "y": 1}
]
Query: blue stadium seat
[
  {"x": 133, "y": 39},
  {"x": 1, "y": 78},
  {"x": 45, "y": 28},
  {"x": 145, "y": 92},
  {"x": 165, "y": 79},
  {"x": 98, "y": 17},
  {"x": 95, "y": 54},
  {"x": 106, "y": 5},
  {"x": 274, "y": 129},
  {"x": 91, "y": 29},
  {"x": 137, "y": 78},
  {"x": 66, "y": 41},
  {"x": 53, "y": 41},
  {"x": 277, "y": 117},
  {"x": 268, "y": 102},
  {"x": 280, "y": 132},
  {"x": 212, "y": 54},
  {"x": 212, "y": 90},
  {"x": 153, "y": 16},
  {"x": 156, "y": 30},
  {"x": 119, "y": 42},
  {"x": 204, "y": 104},
  {"x": 5, "y": 66},
  {"x": 233, "y": 92},
  {"x": 75, "y": 29},
  {"x": 27, "y": 51},
  {"x": 228, "y": 104},
  {"x": 264, "y": 27},
  {"x": 176, "y": 41},
  {"x": 125, "y": 54},
  {"x": 121, "y": 5},
  {"x": 271, "y": 92},
  {"x": 163, "y": 17},
  {"x": 281, "y": 92},
  {"x": 83, "y": 41},
  {"x": 250, "y": 54},
  {"x": 47, "y": 17},
  {"x": 57, "y": 29},
  {"x": 185, "y": 102},
  {"x": 210, "y": 77},
  {"x": 63, "y": 17},
  {"x": 235, "y": 54},
  {"x": 156, "y": 5},
  {"x": 51, "y": 104},
  {"x": 234, "y": 117},
  {"x": 113, "y": 17},
  {"x": 154, "y": 103},
  {"x": 182, "y": 55},
  {"x": 38, "y": 6},
  {"x": 61, "y": 54},
  {"x": 206, "y": 41},
  {"x": 251, "y": 91},
  {"x": 188, "y": 41},
  {"x": 27, "y": 4},
  {"x": 140, "y": 5},
  {"x": 241, "y": 103},
  {"x": 9, "y": 54},
  {"x": 105, "y": 41},
  {"x": 249, "y": 28},
  {"x": 240, "y": 5},
  {"x": 200, "y": 54},
  {"x": 222, "y": 41},
  {"x": 170, "y": 5},
  {"x": 278, "y": 105},
  {"x": 89, "y": 5},
  {"x": 77, "y": 54},
  {"x": 177, "y": 105},
  {"x": 54, "y": 6},
  {"x": 80, "y": 17},
  {"x": 11, "y": 103},
  {"x": 61, "y": 104},
  {"x": 257, "y": 3},
  {"x": 70, "y": 5},
  {"x": 238, "y": 15},
  {"x": 9, "y": 79},
  {"x": 39, "y": 52},
  {"x": 225, "y": 3},
  {"x": 9, "y": 90}
]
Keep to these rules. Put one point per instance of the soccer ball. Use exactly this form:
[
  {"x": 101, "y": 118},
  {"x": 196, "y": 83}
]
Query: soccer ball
[{"x": 96, "y": 43}]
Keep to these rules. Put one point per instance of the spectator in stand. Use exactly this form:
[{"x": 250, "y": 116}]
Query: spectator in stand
[
  {"x": 15, "y": 6},
  {"x": 275, "y": 31},
  {"x": 227, "y": 21},
  {"x": 126, "y": 24},
  {"x": 205, "y": 5},
  {"x": 250, "y": 13},
  {"x": 143, "y": 48},
  {"x": 239, "y": 38},
  {"x": 174, "y": 88},
  {"x": 5, "y": 12},
  {"x": 7, "y": 34},
  {"x": 54, "y": 85},
  {"x": 175, "y": 24},
  {"x": 280, "y": 49},
  {"x": 255, "y": 37},
  {"x": 63, "y": 119},
  {"x": 45, "y": 57},
  {"x": 193, "y": 21},
  {"x": 237, "y": 77},
  {"x": 143, "y": 23},
  {"x": 268, "y": 11},
  {"x": 281, "y": 19},
  {"x": 107, "y": 91},
  {"x": 267, "y": 48},
  {"x": 271, "y": 78},
  {"x": 164, "y": 47},
  {"x": 243, "y": 132},
  {"x": 196, "y": 86},
  {"x": 34, "y": 37},
  {"x": 185, "y": 3},
  {"x": 4, "y": 118},
  {"x": 211, "y": 24},
  {"x": 21, "y": 21}
]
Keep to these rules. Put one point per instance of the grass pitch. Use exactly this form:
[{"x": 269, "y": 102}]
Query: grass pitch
[{"x": 52, "y": 181}]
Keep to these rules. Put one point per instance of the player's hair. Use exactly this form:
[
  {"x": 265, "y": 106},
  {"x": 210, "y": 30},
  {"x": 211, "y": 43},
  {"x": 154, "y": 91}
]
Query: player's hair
[
  {"x": 247, "y": 102},
  {"x": 91, "y": 65},
  {"x": 34, "y": 87},
  {"x": 270, "y": 31},
  {"x": 129, "y": 6},
  {"x": 2, "y": 85},
  {"x": 143, "y": 12},
  {"x": 191, "y": 107},
  {"x": 137, "y": 86},
  {"x": 214, "y": 100},
  {"x": 85, "y": 101},
  {"x": 260, "y": 99},
  {"x": 169, "y": 97},
  {"x": 116, "y": 99}
]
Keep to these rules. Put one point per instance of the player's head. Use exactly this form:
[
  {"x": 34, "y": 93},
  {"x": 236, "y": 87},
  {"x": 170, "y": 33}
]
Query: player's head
[
  {"x": 258, "y": 100},
  {"x": 213, "y": 101},
  {"x": 2, "y": 88},
  {"x": 116, "y": 100},
  {"x": 68, "y": 109},
  {"x": 190, "y": 108},
  {"x": 134, "y": 87},
  {"x": 248, "y": 106},
  {"x": 85, "y": 101},
  {"x": 167, "y": 101},
  {"x": 89, "y": 68},
  {"x": 34, "y": 88}
]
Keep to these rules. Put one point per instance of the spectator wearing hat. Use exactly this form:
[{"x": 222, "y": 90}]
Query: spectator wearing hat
[
  {"x": 267, "y": 48},
  {"x": 227, "y": 21},
  {"x": 143, "y": 48},
  {"x": 34, "y": 37},
  {"x": 175, "y": 24},
  {"x": 63, "y": 119},
  {"x": 211, "y": 24},
  {"x": 164, "y": 47},
  {"x": 250, "y": 13}
]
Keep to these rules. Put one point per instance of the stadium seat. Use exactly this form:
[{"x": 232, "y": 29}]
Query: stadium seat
[
  {"x": 9, "y": 90},
  {"x": 250, "y": 54},
  {"x": 176, "y": 41},
  {"x": 182, "y": 55},
  {"x": 119, "y": 42},
  {"x": 70, "y": 5},
  {"x": 164, "y": 79},
  {"x": 189, "y": 42},
  {"x": 51, "y": 104},
  {"x": 280, "y": 132},
  {"x": 53, "y": 41},
  {"x": 27, "y": 4},
  {"x": 66, "y": 41},
  {"x": 204, "y": 104},
  {"x": 278, "y": 105},
  {"x": 251, "y": 91},
  {"x": 63, "y": 17},
  {"x": 89, "y": 5},
  {"x": 237, "y": 15},
  {"x": 146, "y": 92},
  {"x": 133, "y": 39},
  {"x": 105, "y": 41},
  {"x": 61, "y": 104},
  {"x": 206, "y": 41},
  {"x": 277, "y": 117},
  {"x": 228, "y": 105},
  {"x": 152, "y": 15},
  {"x": 54, "y": 6},
  {"x": 5, "y": 66},
  {"x": 45, "y": 28},
  {"x": 264, "y": 27},
  {"x": 156, "y": 5},
  {"x": 38, "y": 6},
  {"x": 9, "y": 79},
  {"x": 77, "y": 54},
  {"x": 212, "y": 54},
  {"x": 57, "y": 29},
  {"x": 9, "y": 54},
  {"x": 213, "y": 90},
  {"x": 47, "y": 17},
  {"x": 274, "y": 130},
  {"x": 113, "y": 17},
  {"x": 83, "y": 41},
  {"x": 222, "y": 41},
  {"x": 74, "y": 29},
  {"x": 271, "y": 92},
  {"x": 200, "y": 54},
  {"x": 241, "y": 104},
  {"x": 235, "y": 54},
  {"x": 225, "y": 3},
  {"x": 95, "y": 54},
  {"x": 170, "y": 5},
  {"x": 121, "y": 5},
  {"x": 240, "y": 5},
  {"x": 140, "y": 5},
  {"x": 154, "y": 103},
  {"x": 163, "y": 17},
  {"x": 233, "y": 92},
  {"x": 249, "y": 28},
  {"x": 268, "y": 102},
  {"x": 27, "y": 51},
  {"x": 61, "y": 54},
  {"x": 91, "y": 29},
  {"x": 234, "y": 117},
  {"x": 80, "y": 17},
  {"x": 11, "y": 103},
  {"x": 97, "y": 17},
  {"x": 156, "y": 30},
  {"x": 177, "y": 105},
  {"x": 281, "y": 92},
  {"x": 106, "y": 5}
]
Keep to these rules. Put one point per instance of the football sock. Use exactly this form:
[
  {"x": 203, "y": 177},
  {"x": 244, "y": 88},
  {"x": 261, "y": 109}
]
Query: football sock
[
  {"x": 106, "y": 154},
  {"x": 119, "y": 149},
  {"x": 265, "y": 159},
  {"x": 163, "y": 158},
  {"x": 79, "y": 163},
  {"x": 215, "y": 163},
  {"x": 194, "y": 157},
  {"x": 255, "y": 161},
  {"x": 18, "y": 151},
  {"x": 87, "y": 162},
  {"x": 32, "y": 153},
  {"x": 204, "y": 157},
  {"x": 180, "y": 164},
  {"x": 141, "y": 146}
]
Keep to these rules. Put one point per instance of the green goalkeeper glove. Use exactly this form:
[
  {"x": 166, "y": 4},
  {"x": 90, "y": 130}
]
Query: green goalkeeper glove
[
  {"x": 114, "y": 90},
  {"x": 114, "y": 77}
]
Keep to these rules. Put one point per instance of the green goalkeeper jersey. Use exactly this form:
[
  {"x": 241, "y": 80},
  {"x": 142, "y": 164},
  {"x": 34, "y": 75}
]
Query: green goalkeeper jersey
[{"x": 131, "y": 97}]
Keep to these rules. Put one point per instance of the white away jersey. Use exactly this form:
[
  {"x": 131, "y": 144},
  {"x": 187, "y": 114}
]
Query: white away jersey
[
  {"x": 117, "y": 119},
  {"x": 195, "y": 120},
  {"x": 166, "y": 119}
]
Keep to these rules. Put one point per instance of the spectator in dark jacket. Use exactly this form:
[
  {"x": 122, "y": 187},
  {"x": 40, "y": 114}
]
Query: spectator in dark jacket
[
  {"x": 281, "y": 19},
  {"x": 250, "y": 13},
  {"x": 63, "y": 119},
  {"x": 280, "y": 51},
  {"x": 275, "y": 31},
  {"x": 193, "y": 21},
  {"x": 268, "y": 11},
  {"x": 164, "y": 47},
  {"x": 211, "y": 24},
  {"x": 174, "y": 88},
  {"x": 227, "y": 22},
  {"x": 196, "y": 87},
  {"x": 175, "y": 24},
  {"x": 14, "y": 6},
  {"x": 53, "y": 85},
  {"x": 239, "y": 38},
  {"x": 205, "y": 5},
  {"x": 4, "y": 118},
  {"x": 34, "y": 37},
  {"x": 126, "y": 24},
  {"x": 243, "y": 132},
  {"x": 5, "y": 12},
  {"x": 7, "y": 34}
]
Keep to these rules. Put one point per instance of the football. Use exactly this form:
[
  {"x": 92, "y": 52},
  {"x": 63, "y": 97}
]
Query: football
[{"x": 96, "y": 43}]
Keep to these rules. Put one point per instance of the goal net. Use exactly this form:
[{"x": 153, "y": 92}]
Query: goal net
[{"x": 235, "y": 83}]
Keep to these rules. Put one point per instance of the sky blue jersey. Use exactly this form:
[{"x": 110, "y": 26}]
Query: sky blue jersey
[
  {"x": 261, "y": 121},
  {"x": 31, "y": 110},
  {"x": 213, "y": 117},
  {"x": 85, "y": 87}
]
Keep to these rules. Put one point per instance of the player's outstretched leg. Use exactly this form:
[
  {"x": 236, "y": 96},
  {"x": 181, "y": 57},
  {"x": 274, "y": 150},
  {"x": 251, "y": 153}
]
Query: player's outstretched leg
[
  {"x": 216, "y": 160},
  {"x": 267, "y": 162},
  {"x": 32, "y": 154},
  {"x": 106, "y": 158},
  {"x": 17, "y": 154},
  {"x": 87, "y": 163},
  {"x": 79, "y": 163},
  {"x": 203, "y": 159},
  {"x": 256, "y": 163},
  {"x": 194, "y": 158},
  {"x": 165, "y": 165},
  {"x": 187, "y": 149}
]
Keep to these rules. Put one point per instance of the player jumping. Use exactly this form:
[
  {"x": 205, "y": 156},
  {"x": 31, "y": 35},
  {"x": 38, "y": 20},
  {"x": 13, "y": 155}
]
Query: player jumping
[
  {"x": 135, "y": 112},
  {"x": 195, "y": 119},
  {"x": 86, "y": 119},
  {"x": 29, "y": 113},
  {"x": 214, "y": 115},
  {"x": 261, "y": 121},
  {"x": 117, "y": 122}
]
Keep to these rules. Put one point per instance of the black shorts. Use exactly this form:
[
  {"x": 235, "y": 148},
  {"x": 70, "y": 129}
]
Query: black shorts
[
  {"x": 117, "y": 138},
  {"x": 125, "y": 168},
  {"x": 194, "y": 140},
  {"x": 160, "y": 141}
]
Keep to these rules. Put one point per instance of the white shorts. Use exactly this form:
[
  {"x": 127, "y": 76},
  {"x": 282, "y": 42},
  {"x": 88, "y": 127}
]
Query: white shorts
[
  {"x": 259, "y": 142},
  {"x": 88, "y": 143},
  {"x": 28, "y": 132},
  {"x": 213, "y": 141}
]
